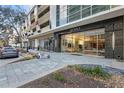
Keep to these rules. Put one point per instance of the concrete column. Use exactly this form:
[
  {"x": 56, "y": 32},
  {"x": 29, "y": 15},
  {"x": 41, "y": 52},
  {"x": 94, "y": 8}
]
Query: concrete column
[
  {"x": 36, "y": 43},
  {"x": 118, "y": 30},
  {"x": 57, "y": 43}
]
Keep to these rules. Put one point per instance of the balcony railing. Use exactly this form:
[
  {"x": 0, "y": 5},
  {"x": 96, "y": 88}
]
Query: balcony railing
[
  {"x": 32, "y": 16},
  {"x": 38, "y": 32},
  {"x": 42, "y": 8},
  {"x": 44, "y": 18}
]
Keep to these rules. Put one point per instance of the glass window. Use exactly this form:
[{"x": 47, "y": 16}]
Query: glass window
[
  {"x": 74, "y": 17},
  {"x": 90, "y": 44},
  {"x": 57, "y": 15},
  {"x": 101, "y": 44},
  {"x": 74, "y": 12},
  {"x": 85, "y": 6},
  {"x": 86, "y": 12},
  {"x": 99, "y": 8},
  {"x": 63, "y": 15},
  {"x": 73, "y": 8}
]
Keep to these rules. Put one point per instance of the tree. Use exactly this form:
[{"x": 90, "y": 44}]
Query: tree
[{"x": 12, "y": 18}]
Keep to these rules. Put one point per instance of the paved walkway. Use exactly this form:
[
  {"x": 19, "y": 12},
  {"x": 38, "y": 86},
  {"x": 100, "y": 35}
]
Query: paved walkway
[
  {"x": 9, "y": 60},
  {"x": 17, "y": 74}
]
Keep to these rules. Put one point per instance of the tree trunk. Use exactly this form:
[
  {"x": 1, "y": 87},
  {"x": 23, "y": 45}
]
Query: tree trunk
[{"x": 19, "y": 37}]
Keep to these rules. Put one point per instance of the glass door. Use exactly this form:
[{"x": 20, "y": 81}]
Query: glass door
[
  {"x": 94, "y": 42},
  {"x": 90, "y": 44}
]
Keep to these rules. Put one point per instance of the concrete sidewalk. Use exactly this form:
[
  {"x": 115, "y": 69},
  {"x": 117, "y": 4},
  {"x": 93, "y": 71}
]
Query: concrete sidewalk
[
  {"x": 17, "y": 74},
  {"x": 4, "y": 62},
  {"x": 85, "y": 59}
]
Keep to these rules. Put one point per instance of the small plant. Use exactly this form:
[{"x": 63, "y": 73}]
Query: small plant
[
  {"x": 45, "y": 82},
  {"x": 95, "y": 72},
  {"x": 58, "y": 76}
]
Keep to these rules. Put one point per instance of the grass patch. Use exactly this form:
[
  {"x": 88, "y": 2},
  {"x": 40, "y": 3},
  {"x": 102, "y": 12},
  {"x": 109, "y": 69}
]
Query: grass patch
[
  {"x": 95, "y": 71},
  {"x": 58, "y": 76}
]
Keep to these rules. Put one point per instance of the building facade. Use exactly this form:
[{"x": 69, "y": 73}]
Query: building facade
[
  {"x": 87, "y": 29},
  {"x": 90, "y": 29},
  {"x": 38, "y": 27}
]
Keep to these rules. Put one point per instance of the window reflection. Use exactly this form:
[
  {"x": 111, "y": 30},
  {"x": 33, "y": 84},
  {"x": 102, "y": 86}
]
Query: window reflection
[{"x": 89, "y": 42}]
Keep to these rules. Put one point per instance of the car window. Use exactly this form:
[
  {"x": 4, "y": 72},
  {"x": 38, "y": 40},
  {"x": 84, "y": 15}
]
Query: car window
[{"x": 9, "y": 49}]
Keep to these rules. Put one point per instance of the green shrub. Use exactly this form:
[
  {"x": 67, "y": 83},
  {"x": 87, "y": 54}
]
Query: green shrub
[
  {"x": 58, "y": 76},
  {"x": 95, "y": 72}
]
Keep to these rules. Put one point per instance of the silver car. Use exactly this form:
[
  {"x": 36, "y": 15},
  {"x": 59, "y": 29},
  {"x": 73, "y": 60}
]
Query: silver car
[{"x": 6, "y": 52}]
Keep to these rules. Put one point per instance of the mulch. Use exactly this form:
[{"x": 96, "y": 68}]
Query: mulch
[{"x": 73, "y": 78}]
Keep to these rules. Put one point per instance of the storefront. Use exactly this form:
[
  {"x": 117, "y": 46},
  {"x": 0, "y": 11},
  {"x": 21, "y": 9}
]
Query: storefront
[
  {"x": 31, "y": 44},
  {"x": 103, "y": 38},
  {"x": 46, "y": 42},
  {"x": 88, "y": 42},
  {"x": 42, "y": 42}
]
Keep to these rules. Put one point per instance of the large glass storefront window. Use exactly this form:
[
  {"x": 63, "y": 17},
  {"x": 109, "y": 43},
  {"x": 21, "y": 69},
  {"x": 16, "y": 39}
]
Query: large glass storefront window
[
  {"x": 89, "y": 42},
  {"x": 101, "y": 44},
  {"x": 67, "y": 43},
  {"x": 72, "y": 42}
]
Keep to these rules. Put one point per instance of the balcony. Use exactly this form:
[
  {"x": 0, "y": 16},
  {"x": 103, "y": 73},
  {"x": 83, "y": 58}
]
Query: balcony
[
  {"x": 32, "y": 16},
  {"x": 44, "y": 18},
  {"x": 42, "y": 8},
  {"x": 33, "y": 25},
  {"x": 45, "y": 29},
  {"x": 39, "y": 32}
]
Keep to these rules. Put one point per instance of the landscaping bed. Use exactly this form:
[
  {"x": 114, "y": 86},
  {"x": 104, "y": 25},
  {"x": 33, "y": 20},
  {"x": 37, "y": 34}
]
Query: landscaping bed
[
  {"x": 25, "y": 57},
  {"x": 80, "y": 76}
]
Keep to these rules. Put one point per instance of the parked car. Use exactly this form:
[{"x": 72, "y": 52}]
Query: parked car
[{"x": 6, "y": 52}]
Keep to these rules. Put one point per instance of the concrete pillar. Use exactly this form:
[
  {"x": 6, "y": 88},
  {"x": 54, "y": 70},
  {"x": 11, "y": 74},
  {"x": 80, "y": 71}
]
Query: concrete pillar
[
  {"x": 36, "y": 43},
  {"x": 57, "y": 43}
]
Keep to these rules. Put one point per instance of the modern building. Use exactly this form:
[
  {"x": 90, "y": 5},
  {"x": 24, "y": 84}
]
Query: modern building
[
  {"x": 89, "y": 29},
  {"x": 37, "y": 24}
]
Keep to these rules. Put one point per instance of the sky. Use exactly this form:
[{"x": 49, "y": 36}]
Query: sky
[{"x": 27, "y": 7}]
